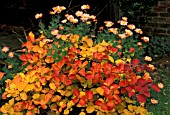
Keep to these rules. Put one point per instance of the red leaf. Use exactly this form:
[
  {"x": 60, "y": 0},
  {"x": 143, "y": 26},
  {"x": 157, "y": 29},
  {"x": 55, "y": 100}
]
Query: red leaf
[
  {"x": 89, "y": 76},
  {"x": 141, "y": 82},
  {"x": 109, "y": 81},
  {"x": 110, "y": 103},
  {"x": 117, "y": 98},
  {"x": 107, "y": 91},
  {"x": 89, "y": 94},
  {"x": 130, "y": 94},
  {"x": 123, "y": 83},
  {"x": 135, "y": 62},
  {"x": 98, "y": 103},
  {"x": 75, "y": 100},
  {"x": 82, "y": 101},
  {"x": 146, "y": 93},
  {"x": 76, "y": 92},
  {"x": 155, "y": 87},
  {"x": 96, "y": 78},
  {"x": 141, "y": 98},
  {"x": 104, "y": 107},
  {"x": 82, "y": 72}
]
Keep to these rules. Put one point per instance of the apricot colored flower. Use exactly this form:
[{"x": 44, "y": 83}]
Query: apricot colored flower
[
  {"x": 54, "y": 32},
  {"x": 122, "y": 22},
  {"x": 128, "y": 32},
  {"x": 85, "y": 17},
  {"x": 122, "y": 36},
  {"x": 92, "y": 17},
  {"x": 5, "y": 49},
  {"x": 138, "y": 30},
  {"x": 79, "y": 13},
  {"x": 145, "y": 39},
  {"x": 58, "y": 9},
  {"x": 39, "y": 15},
  {"x": 124, "y": 18},
  {"x": 70, "y": 17},
  {"x": 113, "y": 30},
  {"x": 139, "y": 44},
  {"x": 11, "y": 54},
  {"x": 154, "y": 101},
  {"x": 151, "y": 66},
  {"x": 160, "y": 85},
  {"x": 108, "y": 23},
  {"x": 64, "y": 21},
  {"x": 131, "y": 26},
  {"x": 85, "y": 7},
  {"x": 147, "y": 58},
  {"x": 74, "y": 20},
  {"x": 10, "y": 66}
]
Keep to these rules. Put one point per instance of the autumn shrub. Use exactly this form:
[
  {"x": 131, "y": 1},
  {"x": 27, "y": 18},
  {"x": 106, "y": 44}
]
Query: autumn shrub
[
  {"x": 72, "y": 67},
  {"x": 9, "y": 65}
]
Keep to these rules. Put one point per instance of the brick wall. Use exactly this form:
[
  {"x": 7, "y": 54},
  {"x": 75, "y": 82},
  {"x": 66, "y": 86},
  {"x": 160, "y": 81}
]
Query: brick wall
[{"x": 159, "y": 23}]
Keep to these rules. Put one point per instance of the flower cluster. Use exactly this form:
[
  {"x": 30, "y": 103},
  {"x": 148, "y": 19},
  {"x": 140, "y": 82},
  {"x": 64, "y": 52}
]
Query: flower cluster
[{"x": 70, "y": 65}]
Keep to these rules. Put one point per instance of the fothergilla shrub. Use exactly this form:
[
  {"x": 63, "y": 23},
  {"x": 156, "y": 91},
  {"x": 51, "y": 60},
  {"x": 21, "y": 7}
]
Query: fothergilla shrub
[{"x": 73, "y": 64}]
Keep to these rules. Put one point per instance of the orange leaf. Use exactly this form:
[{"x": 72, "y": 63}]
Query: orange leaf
[{"x": 1, "y": 75}]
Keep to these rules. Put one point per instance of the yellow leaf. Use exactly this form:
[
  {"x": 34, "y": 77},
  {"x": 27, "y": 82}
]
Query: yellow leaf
[
  {"x": 131, "y": 108},
  {"x": 21, "y": 85},
  {"x": 11, "y": 102},
  {"x": 66, "y": 112},
  {"x": 41, "y": 44},
  {"x": 119, "y": 61},
  {"x": 29, "y": 87},
  {"x": 23, "y": 96},
  {"x": 111, "y": 59},
  {"x": 68, "y": 93},
  {"x": 52, "y": 86},
  {"x": 100, "y": 113},
  {"x": 36, "y": 96},
  {"x": 100, "y": 90},
  {"x": 104, "y": 43},
  {"x": 70, "y": 104},
  {"x": 82, "y": 113},
  {"x": 90, "y": 109},
  {"x": 89, "y": 42}
]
